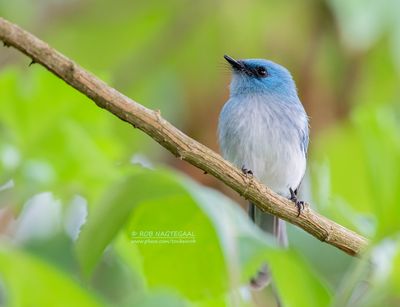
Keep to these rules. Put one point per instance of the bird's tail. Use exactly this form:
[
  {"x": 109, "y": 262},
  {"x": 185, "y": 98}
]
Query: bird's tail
[{"x": 275, "y": 226}]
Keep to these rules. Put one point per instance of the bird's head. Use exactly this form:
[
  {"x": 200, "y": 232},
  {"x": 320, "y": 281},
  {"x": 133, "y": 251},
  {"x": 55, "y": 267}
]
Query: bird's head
[{"x": 253, "y": 76}]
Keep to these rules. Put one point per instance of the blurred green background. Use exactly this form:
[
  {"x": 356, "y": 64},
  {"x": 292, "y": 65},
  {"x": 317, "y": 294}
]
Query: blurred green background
[{"x": 65, "y": 163}]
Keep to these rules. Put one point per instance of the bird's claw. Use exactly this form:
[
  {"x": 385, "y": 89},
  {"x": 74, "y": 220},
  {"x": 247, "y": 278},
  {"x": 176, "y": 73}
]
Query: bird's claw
[
  {"x": 299, "y": 203},
  {"x": 247, "y": 171}
]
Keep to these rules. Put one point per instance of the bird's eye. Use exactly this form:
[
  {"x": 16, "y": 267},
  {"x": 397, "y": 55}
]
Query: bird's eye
[{"x": 261, "y": 72}]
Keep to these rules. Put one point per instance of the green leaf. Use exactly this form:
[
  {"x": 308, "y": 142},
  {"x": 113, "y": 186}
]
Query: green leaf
[
  {"x": 179, "y": 265},
  {"x": 296, "y": 281},
  {"x": 30, "y": 282},
  {"x": 182, "y": 236},
  {"x": 162, "y": 204},
  {"x": 106, "y": 219}
]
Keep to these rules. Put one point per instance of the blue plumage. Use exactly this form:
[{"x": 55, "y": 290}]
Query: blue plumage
[{"x": 264, "y": 128}]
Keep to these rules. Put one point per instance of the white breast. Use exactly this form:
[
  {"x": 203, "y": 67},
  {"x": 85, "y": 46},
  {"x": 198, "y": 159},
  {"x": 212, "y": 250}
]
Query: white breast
[{"x": 264, "y": 137}]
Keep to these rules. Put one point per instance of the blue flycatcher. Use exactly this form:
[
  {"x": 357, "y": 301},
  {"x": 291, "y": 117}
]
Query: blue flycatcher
[{"x": 263, "y": 129}]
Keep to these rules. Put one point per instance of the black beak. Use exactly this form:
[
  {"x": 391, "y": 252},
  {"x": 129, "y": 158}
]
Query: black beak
[{"x": 235, "y": 64}]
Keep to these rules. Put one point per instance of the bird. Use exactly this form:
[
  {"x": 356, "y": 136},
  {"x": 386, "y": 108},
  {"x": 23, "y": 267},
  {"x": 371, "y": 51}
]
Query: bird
[{"x": 264, "y": 130}]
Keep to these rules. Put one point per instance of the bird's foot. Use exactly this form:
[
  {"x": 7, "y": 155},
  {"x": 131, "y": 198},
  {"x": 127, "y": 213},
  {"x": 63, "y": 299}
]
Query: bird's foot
[
  {"x": 247, "y": 171},
  {"x": 249, "y": 177},
  {"x": 299, "y": 203}
]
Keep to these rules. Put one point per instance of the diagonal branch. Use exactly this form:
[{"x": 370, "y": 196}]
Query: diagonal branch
[{"x": 177, "y": 142}]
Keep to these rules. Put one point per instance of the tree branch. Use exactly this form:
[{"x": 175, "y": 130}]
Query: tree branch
[{"x": 177, "y": 142}]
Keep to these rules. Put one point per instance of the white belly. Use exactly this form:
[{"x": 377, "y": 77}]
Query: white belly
[{"x": 264, "y": 139}]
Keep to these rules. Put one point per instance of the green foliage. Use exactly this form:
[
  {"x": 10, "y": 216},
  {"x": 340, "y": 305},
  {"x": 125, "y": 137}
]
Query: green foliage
[
  {"x": 159, "y": 202},
  {"x": 60, "y": 156},
  {"x": 366, "y": 151},
  {"x": 305, "y": 288},
  {"x": 40, "y": 115},
  {"x": 31, "y": 282}
]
